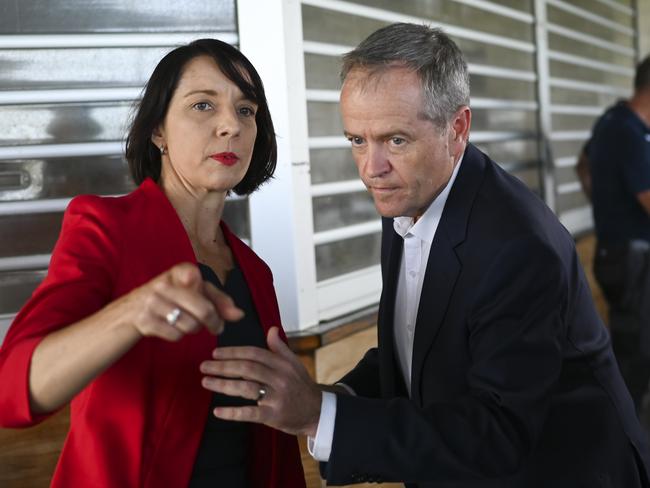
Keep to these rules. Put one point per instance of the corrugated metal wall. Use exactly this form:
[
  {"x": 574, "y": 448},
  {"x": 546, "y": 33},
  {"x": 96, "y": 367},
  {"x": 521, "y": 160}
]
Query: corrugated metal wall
[
  {"x": 590, "y": 53},
  {"x": 541, "y": 72},
  {"x": 498, "y": 42},
  {"x": 69, "y": 73}
]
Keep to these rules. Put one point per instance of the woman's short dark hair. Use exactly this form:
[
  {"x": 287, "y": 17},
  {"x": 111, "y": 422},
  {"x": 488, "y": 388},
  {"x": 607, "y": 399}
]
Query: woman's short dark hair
[{"x": 141, "y": 153}]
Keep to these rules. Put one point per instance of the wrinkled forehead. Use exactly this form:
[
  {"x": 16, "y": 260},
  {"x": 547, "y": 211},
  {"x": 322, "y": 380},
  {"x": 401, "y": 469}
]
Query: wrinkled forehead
[
  {"x": 371, "y": 77},
  {"x": 392, "y": 85}
]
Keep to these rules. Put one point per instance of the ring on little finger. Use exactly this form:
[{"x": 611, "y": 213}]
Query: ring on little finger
[
  {"x": 173, "y": 316},
  {"x": 261, "y": 393}
]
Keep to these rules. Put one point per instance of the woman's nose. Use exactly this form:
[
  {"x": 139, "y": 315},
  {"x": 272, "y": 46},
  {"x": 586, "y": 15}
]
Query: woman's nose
[{"x": 228, "y": 123}]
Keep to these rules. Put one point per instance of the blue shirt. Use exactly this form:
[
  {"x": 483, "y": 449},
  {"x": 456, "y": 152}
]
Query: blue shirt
[{"x": 619, "y": 163}]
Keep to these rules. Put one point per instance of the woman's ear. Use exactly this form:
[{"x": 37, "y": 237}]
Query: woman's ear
[{"x": 158, "y": 138}]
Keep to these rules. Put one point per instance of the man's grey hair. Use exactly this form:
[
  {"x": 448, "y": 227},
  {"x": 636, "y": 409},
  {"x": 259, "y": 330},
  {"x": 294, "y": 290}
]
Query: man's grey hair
[{"x": 429, "y": 52}]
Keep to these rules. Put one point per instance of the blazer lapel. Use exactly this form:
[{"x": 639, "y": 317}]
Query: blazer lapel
[
  {"x": 443, "y": 264},
  {"x": 259, "y": 280},
  {"x": 442, "y": 271},
  {"x": 391, "y": 253}
]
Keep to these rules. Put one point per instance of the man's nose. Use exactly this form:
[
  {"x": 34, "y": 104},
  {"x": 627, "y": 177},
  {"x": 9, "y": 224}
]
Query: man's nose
[{"x": 377, "y": 163}]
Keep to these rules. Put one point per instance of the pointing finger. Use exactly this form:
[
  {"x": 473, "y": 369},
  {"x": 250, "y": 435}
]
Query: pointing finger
[
  {"x": 186, "y": 275},
  {"x": 225, "y": 305}
]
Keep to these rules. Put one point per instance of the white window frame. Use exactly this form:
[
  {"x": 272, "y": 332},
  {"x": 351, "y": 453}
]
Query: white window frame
[{"x": 270, "y": 35}]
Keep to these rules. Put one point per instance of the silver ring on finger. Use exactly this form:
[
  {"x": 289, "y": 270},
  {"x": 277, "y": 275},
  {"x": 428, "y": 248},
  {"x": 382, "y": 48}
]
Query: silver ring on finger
[
  {"x": 173, "y": 316},
  {"x": 261, "y": 393}
]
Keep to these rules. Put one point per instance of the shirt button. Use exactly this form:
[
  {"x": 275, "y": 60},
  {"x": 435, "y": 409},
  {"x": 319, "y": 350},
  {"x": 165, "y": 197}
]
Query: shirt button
[{"x": 412, "y": 274}]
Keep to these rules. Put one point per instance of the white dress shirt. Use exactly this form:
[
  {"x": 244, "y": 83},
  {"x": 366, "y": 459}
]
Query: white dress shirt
[{"x": 418, "y": 237}]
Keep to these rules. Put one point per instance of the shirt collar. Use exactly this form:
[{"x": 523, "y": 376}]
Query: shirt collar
[{"x": 425, "y": 227}]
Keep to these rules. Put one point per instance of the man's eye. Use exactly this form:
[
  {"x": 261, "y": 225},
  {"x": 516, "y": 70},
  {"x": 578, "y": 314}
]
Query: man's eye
[
  {"x": 397, "y": 141},
  {"x": 202, "y": 106},
  {"x": 356, "y": 141}
]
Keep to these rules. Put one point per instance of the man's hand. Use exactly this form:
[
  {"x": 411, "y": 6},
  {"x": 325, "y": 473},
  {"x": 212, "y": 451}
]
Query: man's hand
[
  {"x": 292, "y": 400},
  {"x": 643, "y": 198}
]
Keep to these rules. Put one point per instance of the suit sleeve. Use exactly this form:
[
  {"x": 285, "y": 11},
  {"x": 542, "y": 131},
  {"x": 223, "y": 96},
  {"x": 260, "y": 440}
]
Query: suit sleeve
[
  {"x": 514, "y": 329},
  {"x": 79, "y": 282},
  {"x": 364, "y": 377}
]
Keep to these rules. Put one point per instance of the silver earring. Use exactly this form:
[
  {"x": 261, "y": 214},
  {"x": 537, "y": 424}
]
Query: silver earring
[{"x": 162, "y": 150}]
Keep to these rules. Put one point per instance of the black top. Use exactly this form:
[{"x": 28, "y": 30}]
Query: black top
[
  {"x": 619, "y": 163},
  {"x": 222, "y": 459}
]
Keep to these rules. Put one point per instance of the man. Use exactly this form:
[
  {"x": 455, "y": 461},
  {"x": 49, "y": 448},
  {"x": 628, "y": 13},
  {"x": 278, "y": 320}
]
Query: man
[
  {"x": 492, "y": 369},
  {"x": 614, "y": 169}
]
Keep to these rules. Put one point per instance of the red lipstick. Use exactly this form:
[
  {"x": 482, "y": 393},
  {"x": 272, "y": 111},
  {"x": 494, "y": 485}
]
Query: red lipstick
[{"x": 227, "y": 158}]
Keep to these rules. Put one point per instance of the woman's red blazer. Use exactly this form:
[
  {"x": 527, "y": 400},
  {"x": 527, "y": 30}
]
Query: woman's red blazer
[{"x": 138, "y": 424}]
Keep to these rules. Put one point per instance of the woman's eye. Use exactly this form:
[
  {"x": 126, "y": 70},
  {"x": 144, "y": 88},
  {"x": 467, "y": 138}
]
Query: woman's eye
[
  {"x": 202, "y": 106},
  {"x": 247, "y": 112}
]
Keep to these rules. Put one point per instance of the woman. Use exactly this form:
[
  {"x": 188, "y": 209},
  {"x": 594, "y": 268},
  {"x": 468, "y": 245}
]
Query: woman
[{"x": 131, "y": 303}]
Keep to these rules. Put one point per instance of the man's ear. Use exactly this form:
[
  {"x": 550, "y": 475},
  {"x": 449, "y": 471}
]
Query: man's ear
[{"x": 461, "y": 124}]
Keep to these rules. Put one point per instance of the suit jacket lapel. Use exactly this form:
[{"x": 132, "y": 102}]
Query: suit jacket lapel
[
  {"x": 442, "y": 271},
  {"x": 443, "y": 264},
  {"x": 391, "y": 253}
]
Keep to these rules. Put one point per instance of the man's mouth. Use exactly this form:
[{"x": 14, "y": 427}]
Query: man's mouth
[{"x": 382, "y": 189}]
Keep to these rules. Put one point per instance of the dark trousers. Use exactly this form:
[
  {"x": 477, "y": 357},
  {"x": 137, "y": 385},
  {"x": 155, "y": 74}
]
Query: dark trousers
[
  {"x": 634, "y": 364},
  {"x": 623, "y": 272}
]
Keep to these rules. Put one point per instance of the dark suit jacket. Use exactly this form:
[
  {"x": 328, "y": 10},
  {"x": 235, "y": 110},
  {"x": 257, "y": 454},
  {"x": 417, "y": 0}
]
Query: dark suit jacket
[{"x": 514, "y": 383}]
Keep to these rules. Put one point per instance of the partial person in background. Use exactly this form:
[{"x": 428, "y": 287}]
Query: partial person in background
[
  {"x": 614, "y": 169},
  {"x": 493, "y": 368},
  {"x": 138, "y": 288}
]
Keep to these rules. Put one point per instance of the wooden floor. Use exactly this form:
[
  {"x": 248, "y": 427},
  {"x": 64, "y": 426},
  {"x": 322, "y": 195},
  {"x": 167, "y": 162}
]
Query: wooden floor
[
  {"x": 586, "y": 247},
  {"x": 28, "y": 456}
]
